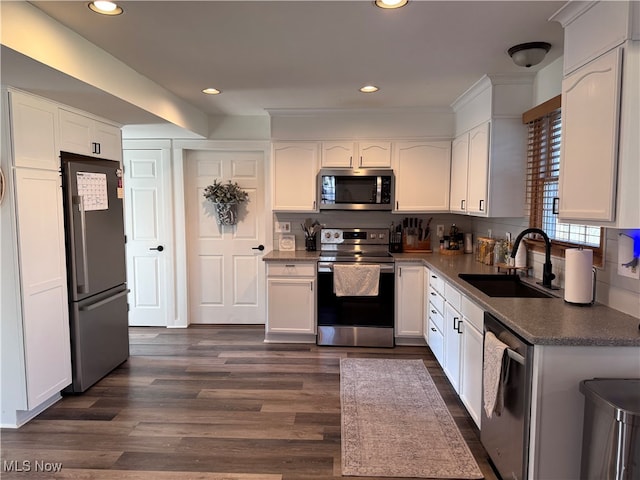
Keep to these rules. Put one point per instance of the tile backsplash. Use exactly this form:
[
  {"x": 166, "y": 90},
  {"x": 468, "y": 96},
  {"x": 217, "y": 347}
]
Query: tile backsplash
[{"x": 613, "y": 290}]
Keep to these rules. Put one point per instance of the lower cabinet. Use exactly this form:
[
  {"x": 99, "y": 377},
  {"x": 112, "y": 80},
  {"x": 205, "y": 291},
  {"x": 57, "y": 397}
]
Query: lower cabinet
[
  {"x": 409, "y": 300},
  {"x": 471, "y": 354},
  {"x": 452, "y": 343},
  {"x": 291, "y": 298}
]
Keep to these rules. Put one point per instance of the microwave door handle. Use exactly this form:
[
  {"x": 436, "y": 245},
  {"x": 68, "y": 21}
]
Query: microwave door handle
[{"x": 379, "y": 189}]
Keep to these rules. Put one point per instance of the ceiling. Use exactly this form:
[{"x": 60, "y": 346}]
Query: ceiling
[{"x": 295, "y": 55}]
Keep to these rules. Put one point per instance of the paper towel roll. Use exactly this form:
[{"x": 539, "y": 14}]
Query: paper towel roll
[
  {"x": 521, "y": 256},
  {"x": 468, "y": 243},
  {"x": 578, "y": 284}
]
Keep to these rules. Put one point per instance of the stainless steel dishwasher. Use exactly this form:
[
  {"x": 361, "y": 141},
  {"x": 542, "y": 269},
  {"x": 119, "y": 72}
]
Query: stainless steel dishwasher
[{"x": 506, "y": 436}]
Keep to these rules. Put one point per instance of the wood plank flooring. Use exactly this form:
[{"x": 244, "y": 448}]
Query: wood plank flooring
[{"x": 210, "y": 403}]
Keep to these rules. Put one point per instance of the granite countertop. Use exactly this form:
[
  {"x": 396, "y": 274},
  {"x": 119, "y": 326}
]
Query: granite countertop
[{"x": 540, "y": 321}]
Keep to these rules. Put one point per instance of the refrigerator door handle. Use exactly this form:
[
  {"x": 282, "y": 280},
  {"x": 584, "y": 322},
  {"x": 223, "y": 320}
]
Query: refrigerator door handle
[
  {"x": 100, "y": 303},
  {"x": 84, "y": 288}
]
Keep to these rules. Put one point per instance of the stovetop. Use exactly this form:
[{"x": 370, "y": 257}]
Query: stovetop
[{"x": 355, "y": 245}]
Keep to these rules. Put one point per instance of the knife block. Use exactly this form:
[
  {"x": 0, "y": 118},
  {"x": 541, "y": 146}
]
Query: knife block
[{"x": 410, "y": 243}]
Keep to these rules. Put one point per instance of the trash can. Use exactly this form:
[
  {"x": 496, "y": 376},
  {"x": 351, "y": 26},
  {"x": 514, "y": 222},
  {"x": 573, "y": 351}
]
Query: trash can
[{"x": 611, "y": 435}]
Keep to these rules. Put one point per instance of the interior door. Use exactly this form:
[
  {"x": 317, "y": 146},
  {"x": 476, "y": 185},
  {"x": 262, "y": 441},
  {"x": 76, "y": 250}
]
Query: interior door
[
  {"x": 150, "y": 247},
  {"x": 225, "y": 269}
]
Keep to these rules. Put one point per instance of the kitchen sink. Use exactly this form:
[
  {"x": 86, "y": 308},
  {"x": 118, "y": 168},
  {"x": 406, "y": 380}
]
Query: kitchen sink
[{"x": 496, "y": 285}]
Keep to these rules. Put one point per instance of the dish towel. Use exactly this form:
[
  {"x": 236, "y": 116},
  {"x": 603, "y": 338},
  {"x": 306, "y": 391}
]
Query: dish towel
[
  {"x": 495, "y": 372},
  {"x": 356, "y": 280}
]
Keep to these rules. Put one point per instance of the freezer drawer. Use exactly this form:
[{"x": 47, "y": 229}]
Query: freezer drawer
[{"x": 99, "y": 337}]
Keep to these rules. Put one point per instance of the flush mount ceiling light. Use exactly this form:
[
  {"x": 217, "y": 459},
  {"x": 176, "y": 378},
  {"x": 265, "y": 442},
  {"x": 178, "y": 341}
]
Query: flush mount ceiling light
[
  {"x": 390, "y": 3},
  {"x": 369, "y": 89},
  {"x": 212, "y": 91},
  {"x": 105, "y": 8},
  {"x": 529, "y": 54}
]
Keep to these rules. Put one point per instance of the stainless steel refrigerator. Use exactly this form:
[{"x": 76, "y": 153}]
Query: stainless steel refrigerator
[{"x": 95, "y": 241}]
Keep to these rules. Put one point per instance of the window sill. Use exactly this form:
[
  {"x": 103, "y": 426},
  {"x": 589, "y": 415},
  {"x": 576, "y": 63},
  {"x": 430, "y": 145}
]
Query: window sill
[{"x": 558, "y": 249}]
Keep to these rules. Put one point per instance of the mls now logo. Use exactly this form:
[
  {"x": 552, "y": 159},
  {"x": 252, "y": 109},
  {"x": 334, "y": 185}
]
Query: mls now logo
[{"x": 29, "y": 466}]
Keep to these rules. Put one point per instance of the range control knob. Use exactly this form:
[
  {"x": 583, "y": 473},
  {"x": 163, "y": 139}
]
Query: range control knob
[
  {"x": 336, "y": 235},
  {"x": 327, "y": 235}
]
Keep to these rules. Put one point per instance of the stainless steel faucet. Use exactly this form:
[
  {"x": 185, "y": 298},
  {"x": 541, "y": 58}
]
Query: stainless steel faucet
[{"x": 547, "y": 274}]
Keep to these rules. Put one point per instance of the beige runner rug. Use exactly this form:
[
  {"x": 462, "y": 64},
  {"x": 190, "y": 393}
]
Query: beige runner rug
[{"x": 395, "y": 423}]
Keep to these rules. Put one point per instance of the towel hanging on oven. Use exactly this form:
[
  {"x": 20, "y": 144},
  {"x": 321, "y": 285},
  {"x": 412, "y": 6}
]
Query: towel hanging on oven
[{"x": 352, "y": 280}]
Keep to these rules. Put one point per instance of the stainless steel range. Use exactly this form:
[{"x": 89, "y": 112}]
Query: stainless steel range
[{"x": 365, "y": 321}]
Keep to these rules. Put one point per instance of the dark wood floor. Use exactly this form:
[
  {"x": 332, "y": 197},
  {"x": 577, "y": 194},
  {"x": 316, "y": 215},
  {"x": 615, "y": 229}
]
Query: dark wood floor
[{"x": 208, "y": 403}]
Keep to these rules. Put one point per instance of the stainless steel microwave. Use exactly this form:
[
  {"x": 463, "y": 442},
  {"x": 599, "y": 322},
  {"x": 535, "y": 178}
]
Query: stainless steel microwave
[{"x": 358, "y": 189}]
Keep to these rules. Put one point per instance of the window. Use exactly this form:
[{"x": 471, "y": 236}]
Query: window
[{"x": 543, "y": 166}]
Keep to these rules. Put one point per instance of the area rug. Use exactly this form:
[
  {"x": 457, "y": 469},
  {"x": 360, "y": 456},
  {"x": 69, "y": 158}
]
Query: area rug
[{"x": 396, "y": 424}]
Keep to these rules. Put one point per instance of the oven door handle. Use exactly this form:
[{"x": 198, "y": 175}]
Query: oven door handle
[
  {"x": 324, "y": 267},
  {"x": 513, "y": 355}
]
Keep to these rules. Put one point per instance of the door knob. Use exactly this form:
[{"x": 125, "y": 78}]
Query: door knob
[
  {"x": 259, "y": 247},
  {"x": 158, "y": 248}
]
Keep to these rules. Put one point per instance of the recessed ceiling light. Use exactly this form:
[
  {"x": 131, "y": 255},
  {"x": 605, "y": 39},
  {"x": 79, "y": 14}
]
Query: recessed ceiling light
[
  {"x": 369, "y": 89},
  {"x": 390, "y": 3},
  {"x": 104, "y": 7},
  {"x": 212, "y": 91}
]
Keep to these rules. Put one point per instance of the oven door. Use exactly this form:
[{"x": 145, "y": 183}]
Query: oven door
[{"x": 358, "y": 321}]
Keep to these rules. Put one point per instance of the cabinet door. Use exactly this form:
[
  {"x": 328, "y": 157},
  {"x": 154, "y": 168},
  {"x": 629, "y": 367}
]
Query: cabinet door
[
  {"x": 295, "y": 170},
  {"x": 452, "y": 341},
  {"x": 422, "y": 176},
  {"x": 291, "y": 305},
  {"x": 478, "y": 170},
  {"x": 34, "y": 126},
  {"x": 425, "y": 303},
  {"x": 589, "y": 157},
  {"x": 409, "y": 300},
  {"x": 43, "y": 281},
  {"x": 338, "y": 154},
  {"x": 374, "y": 155},
  {"x": 436, "y": 342},
  {"x": 459, "y": 165},
  {"x": 471, "y": 370},
  {"x": 76, "y": 133},
  {"x": 109, "y": 140}
]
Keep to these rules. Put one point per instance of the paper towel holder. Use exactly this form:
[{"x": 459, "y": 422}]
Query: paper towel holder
[{"x": 593, "y": 289}]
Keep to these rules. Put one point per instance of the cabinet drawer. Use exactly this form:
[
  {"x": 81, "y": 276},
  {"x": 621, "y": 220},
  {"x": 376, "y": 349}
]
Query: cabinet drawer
[
  {"x": 452, "y": 296},
  {"x": 436, "y": 342},
  {"x": 472, "y": 312},
  {"x": 291, "y": 269},
  {"x": 436, "y": 317},
  {"x": 436, "y": 299},
  {"x": 437, "y": 283}
]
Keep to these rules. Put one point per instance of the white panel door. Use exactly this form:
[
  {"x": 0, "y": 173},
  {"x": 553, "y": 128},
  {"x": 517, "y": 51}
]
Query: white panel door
[
  {"x": 148, "y": 223},
  {"x": 225, "y": 269},
  {"x": 43, "y": 276}
]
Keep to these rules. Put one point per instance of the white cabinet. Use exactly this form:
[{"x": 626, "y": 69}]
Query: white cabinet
[
  {"x": 294, "y": 174},
  {"x": 599, "y": 169},
  {"x": 471, "y": 355},
  {"x": 422, "y": 171},
  {"x": 291, "y": 298},
  {"x": 409, "y": 300},
  {"x": 360, "y": 154},
  {"x": 34, "y": 131},
  {"x": 478, "y": 170},
  {"x": 452, "y": 336},
  {"x": 435, "y": 313},
  {"x": 43, "y": 281},
  {"x": 459, "y": 167},
  {"x": 488, "y": 172},
  {"x": 425, "y": 302},
  {"x": 36, "y": 362},
  {"x": 88, "y": 136}
]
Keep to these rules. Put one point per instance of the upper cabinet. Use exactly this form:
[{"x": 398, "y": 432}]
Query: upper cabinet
[
  {"x": 34, "y": 131},
  {"x": 361, "y": 154},
  {"x": 88, "y": 136},
  {"x": 422, "y": 176},
  {"x": 295, "y": 170},
  {"x": 488, "y": 167},
  {"x": 599, "y": 168}
]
